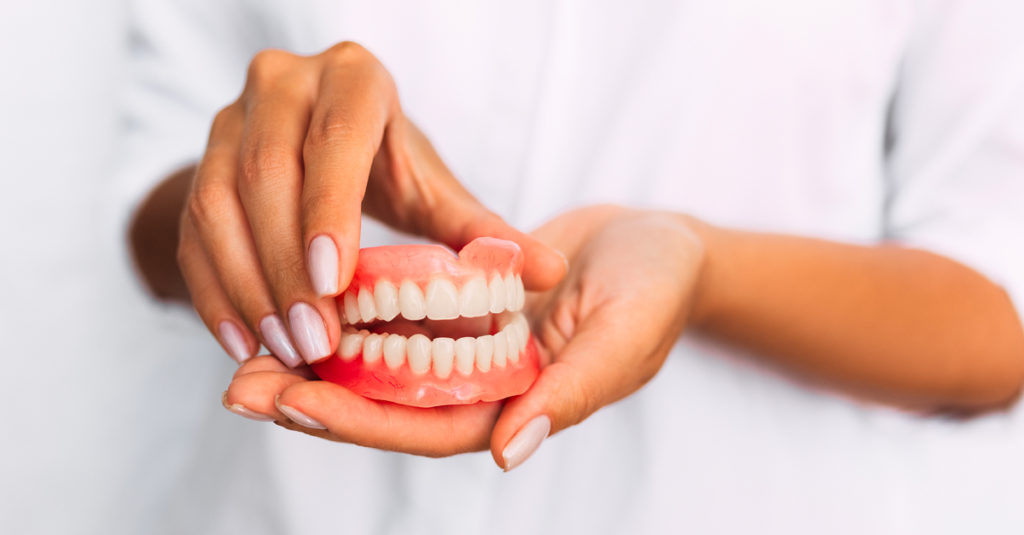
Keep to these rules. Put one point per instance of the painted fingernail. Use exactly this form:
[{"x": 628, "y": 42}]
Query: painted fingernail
[
  {"x": 276, "y": 338},
  {"x": 308, "y": 332},
  {"x": 296, "y": 416},
  {"x": 233, "y": 341},
  {"x": 242, "y": 410},
  {"x": 525, "y": 442},
  {"x": 323, "y": 265}
]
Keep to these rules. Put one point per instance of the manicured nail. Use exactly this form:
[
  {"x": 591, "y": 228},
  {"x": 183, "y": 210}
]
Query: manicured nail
[
  {"x": 526, "y": 441},
  {"x": 233, "y": 341},
  {"x": 323, "y": 265},
  {"x": 242, "y": 410},
  {"x": 296, "y": 416},
  {"x": 278, "y": 342},
  {"x": 308, "y": 332}
]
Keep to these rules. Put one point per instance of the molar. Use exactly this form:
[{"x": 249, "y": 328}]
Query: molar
[
  {"x": 465, "y": 354},
  {"x": 394, "y": 351},
  {"x": 496, "y": 288},
  {"x": 443, "y": 353},
  {"x": 520, "y": 293},
  {"x": 373, "y": 347},
  {"x": 484, "y": 352},
  {"x": 500, "y": 349},
  {"x": 418, "y": 350},
  {"x": 442, "y": 300},
  {"x": 474, "y": 298},
  {"x": 367, "y": 309},
  {"x": 512, "y": 335},
  {"x": 510, "y": 292},
  {"x": 385, "y": 296},
  {"x": 410, "y": 301}
]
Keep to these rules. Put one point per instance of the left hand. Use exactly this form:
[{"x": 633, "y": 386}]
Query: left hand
[{"x": 603, "y": 333}]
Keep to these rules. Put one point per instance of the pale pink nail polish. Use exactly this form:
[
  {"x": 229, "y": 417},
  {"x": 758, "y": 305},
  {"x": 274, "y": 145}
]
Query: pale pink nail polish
[
  {"x": 526, "y": 441},
  {"x": 233, "y": 341},
  {"x": 243, "y": 411},
  {"x": 309, "y": 332},
  {"x": 276, "y": 338},
  {"x": 296, "y": 416},
  {"x": 323, "y": 265}
]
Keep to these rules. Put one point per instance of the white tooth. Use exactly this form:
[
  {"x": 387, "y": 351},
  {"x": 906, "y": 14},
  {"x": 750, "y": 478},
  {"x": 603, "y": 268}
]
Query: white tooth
[
  {"x": 484, "y": 352},
  {"x": 520, "y": 293},
  {"x": 510, "y": 293},
  {"x": 394, "y": 351},
  {"x": 524, "y": 331},
  {"x": 512, "y": 336},
  {"x": 465, "y": 354},
  {"x": 474, "y": 298},
  {"x": 351, "y": 307},
  {"x": 443, "y": 353},
  {"x": 385, "y": 296},
  {"x": 367, "y": 310},
  {"x": 350, "y": 346},
  {"x": 442, "y": 300},
  {"x": 500, "y": 349},
  {"x": 419, "y": 354},
  {"x": 410, "y": 301},
  {"x": 373, "y": 347},
  {"x": 497, "y": 290}
]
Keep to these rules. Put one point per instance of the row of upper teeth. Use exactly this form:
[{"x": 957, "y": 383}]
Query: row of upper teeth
[
  {"x": 441, "y": 355},
  {"x": 441, "y": 301}
]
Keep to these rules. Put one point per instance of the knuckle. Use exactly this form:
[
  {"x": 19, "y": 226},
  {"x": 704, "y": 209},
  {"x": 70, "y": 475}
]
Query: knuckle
[
  {"x": 264, "y": 163},
  {"x": 206, "y": 203},
  {"x": 347, "y": 51},
  {"x": 266, "y": 66}
]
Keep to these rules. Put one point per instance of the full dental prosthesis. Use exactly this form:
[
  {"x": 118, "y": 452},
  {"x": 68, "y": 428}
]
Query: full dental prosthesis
[{"x": 423, "y": 327}]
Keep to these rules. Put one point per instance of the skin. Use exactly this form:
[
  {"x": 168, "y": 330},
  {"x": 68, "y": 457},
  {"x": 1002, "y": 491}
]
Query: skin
[{"x": 882, "y": 323}]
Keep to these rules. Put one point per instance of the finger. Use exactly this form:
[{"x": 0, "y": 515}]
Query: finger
[
  {"x": 210, "y": 300},
  {"x": 271, "y": 364},
  {"x": 256, "y": 391},
  {"x": 269, "y": 188},
  {"x": 217, "y": 216},
  {"x": 598, "y": 366},
  {"x": 347, "y": 125},
  {"x": 349, "y": 417}
]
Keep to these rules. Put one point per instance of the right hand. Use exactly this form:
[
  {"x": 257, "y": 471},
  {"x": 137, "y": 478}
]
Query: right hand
[{"x": 270, "y": 230}]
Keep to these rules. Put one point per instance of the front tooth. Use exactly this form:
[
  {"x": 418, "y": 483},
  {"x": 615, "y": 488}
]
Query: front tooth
[
  {"x": 465, "y": 354},
  {"x": 410, "y": 301},
  {"x": 443, "y": 353},
  {"x": 474, "y": 299},
  {"x": 373, "y": 347},
  {"x": 394, "y": 351},
  {"x": 512, "y": 336},
  {"x": 500, "y": 349},
  {"x": 497, "y": 290},
  {"x": 385, "y": 296},
  {"x": 351, "y": 307},
  {"x": 442, "y": 300},
  {"x": 419, "y": 354},
  {"x": 484, "y": 352},
  {"x": 367, "y": 310},
  {"x": 351, "y": 344},
  {"x": 520, "y": 293},
  {"x": 510, "y": 293}
]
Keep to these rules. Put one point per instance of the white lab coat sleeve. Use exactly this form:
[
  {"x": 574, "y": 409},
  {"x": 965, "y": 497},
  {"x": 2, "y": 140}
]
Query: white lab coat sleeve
[
  {"x": 186, "y": 59},
  {"x": 956, "y": 157}
]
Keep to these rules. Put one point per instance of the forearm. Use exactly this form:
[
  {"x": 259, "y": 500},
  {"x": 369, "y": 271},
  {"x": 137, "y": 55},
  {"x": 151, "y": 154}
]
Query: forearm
[
  {"x": 897, "y": 325},
  {"x": 153, "y": 236}
]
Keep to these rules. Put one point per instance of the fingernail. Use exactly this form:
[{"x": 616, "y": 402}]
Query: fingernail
[
  {"x": 242, "y": 410},
  {"x": 308, "y": 332},
  {"x": 526, "y": 441},
  {"x": 233, "y": 341},
  {"x": 323, "y": 265},
  {"x": 276, "y": 338},
  {"x": 296, "y": 416}
]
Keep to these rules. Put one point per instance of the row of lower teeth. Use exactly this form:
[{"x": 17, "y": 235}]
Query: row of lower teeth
[
  {"x": 442, "y": 355},
  {"x": 441, "y": 300}
]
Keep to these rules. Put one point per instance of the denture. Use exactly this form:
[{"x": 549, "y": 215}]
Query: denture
[{"x": 425, "y": 327}]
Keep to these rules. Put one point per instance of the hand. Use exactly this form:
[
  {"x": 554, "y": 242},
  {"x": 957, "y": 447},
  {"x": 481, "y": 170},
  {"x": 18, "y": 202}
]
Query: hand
[
  {"x": 271, "y": 226},
  {"x": 601, "y": 343}
]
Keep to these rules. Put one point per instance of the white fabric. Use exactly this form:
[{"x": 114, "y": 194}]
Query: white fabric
[{"x": 762, "y": 115}]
